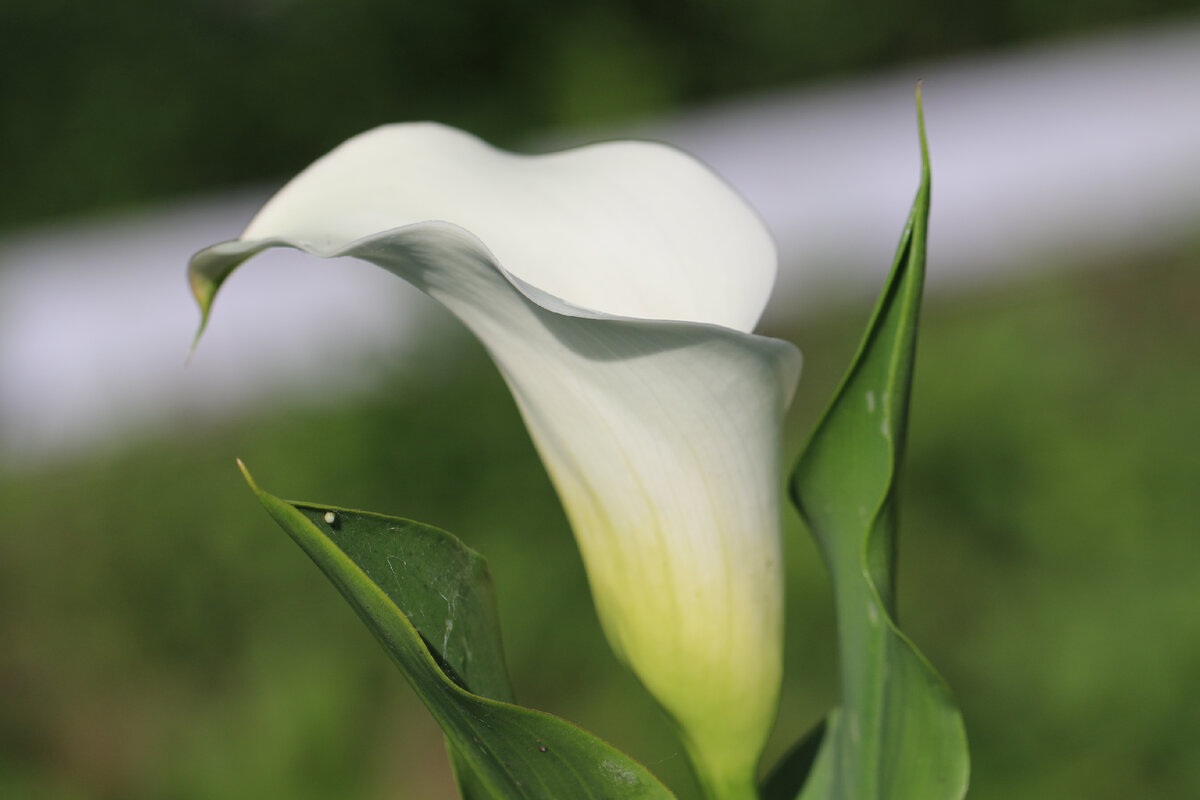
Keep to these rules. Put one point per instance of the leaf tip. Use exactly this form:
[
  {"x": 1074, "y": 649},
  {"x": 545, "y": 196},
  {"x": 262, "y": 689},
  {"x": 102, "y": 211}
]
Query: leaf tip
[
  {"x": 921, "y": 134},
  {"x": 246, "y": 474}
]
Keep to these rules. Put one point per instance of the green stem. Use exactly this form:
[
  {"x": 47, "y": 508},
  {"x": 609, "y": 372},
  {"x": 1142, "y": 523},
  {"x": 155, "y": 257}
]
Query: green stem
[{"x": 721, "y": 781}]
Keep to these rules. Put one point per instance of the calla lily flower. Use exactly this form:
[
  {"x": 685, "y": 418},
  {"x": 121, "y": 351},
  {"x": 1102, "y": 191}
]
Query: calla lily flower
[{"x": 615, "y": 286}]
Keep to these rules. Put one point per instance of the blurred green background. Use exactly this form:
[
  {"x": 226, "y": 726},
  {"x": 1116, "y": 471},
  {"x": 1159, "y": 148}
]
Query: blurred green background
[{"x": 160, "y": 638}]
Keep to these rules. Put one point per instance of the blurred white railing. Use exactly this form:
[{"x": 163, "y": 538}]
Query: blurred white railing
[{"x": 1066, "y": 153}]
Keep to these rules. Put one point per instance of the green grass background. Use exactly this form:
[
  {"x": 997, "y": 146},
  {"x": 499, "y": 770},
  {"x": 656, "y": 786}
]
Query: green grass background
[{"x": 163, "y": 639}]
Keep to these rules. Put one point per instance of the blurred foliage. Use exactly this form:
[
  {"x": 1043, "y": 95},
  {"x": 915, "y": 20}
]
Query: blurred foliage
[
  {"x": 163, "y": 639},
  {"x": 111, "y": 103}
]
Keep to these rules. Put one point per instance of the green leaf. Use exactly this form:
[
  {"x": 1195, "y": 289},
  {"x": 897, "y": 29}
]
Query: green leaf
[
  {"x": 897, "y": 734},
  {"x": 470, "y": 785},
  {"x": 428, "y": 600}
]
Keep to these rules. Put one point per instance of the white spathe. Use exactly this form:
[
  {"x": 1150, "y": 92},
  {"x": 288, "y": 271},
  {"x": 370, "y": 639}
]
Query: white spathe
[{"x": 615, "y": 287}]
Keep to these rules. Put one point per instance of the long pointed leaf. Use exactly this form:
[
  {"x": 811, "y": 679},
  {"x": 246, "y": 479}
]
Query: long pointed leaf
[
  {"x": 427, "y": 598},
  {"x": 897, "y": 734}
]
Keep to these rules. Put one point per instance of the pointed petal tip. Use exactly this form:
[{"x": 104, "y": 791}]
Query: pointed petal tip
[
  {"x": 203, "y": 290},
  {"x": 196, "y": 338},
  {"x": 207, "y": 271}
]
